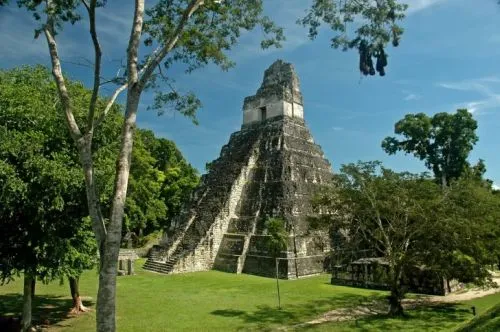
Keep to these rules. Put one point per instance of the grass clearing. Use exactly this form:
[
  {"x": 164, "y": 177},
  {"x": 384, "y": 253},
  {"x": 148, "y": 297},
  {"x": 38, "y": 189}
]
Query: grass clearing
[
  {"x": 431, "y": 317},
  {"x": 487, "y": 322},
  {"x": 216, "y": 301}
]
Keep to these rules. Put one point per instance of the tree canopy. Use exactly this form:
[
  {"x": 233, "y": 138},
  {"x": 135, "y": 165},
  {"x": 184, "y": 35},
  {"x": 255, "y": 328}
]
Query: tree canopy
[
  {"x": 41, "y": 208},
  {"x": 410, "y": 221},
  {"x": 43, "y": 216},
  {"x": 161, "y": 181},
  {"x": 444, "y": 141},
  {"x": 374, "y": 25}
]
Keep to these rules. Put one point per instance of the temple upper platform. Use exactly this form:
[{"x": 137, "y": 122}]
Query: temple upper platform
[{"x": 279, "y": 95}]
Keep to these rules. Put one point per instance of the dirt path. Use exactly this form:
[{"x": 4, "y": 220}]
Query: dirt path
[
  {"x": 467, "y": 295},
  {"x": 380, "y": 307}
]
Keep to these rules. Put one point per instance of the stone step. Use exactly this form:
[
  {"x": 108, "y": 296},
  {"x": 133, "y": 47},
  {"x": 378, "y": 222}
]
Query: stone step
[
  {"x": 235, "y": 235},
  {"x": 157, "y": 267}
]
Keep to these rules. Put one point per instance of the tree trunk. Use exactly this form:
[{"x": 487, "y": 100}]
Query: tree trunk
[
  {"x": 27, "y": 298},
  {"x": 109, "y": 257},
  {"x": 33, "y": 287},
  {"x": 395, "y": 307},
  {"x": 444, "y": 183},
  {"x": 85, "y": 150},
  {"x": 74, "y": 287}
]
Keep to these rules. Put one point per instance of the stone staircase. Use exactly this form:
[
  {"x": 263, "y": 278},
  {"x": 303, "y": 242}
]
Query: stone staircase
[
  {"x": 157, "y": 261},
  {"x": 198, "y": 244}
]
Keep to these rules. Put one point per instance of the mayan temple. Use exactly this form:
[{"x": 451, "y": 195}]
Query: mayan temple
[{"x": 270, "y": 168}]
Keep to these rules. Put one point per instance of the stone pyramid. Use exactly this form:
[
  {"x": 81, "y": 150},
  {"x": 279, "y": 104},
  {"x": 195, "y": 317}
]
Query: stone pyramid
[{"x": 270, "y": 168}]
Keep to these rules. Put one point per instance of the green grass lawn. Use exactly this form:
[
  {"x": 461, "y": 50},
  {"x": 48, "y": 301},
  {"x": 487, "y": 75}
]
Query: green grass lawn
[
  {"x": 487, "y": 322},
  {"x": 216, "y": 301},
  {"x": 436, "y": 317}
]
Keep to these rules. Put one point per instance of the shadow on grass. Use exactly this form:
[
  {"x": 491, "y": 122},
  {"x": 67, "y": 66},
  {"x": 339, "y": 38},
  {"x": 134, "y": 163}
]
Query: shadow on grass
[
  {"x": 265, "y": 317},
  {"x": 427, "y": 317},
  {"x": 46, "y": 309},
  {"x": 423, "y": 316},
  {"x": 489, "y": 321}
]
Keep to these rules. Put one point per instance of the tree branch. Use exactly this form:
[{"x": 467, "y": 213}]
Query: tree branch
[
  {"x": 159, "y": 56},
  {"x": 80, "y": 140},
  {"x": 97, "y": 64},
  {"x": 110, "y": 103},
  {"x": 378, "y": 219},
  {"x": 133, "y": 44},
  {"x": 375, "y": 239},
  {"x": 74, "y": 130},
  {"x": 86, "y": 5},
  {"x": 166, "y": 80}
]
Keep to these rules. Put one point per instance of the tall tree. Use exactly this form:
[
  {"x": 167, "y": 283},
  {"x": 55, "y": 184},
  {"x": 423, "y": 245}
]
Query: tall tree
[
  {"x": 443, "y": 141},
  {"x": 409, "y": 221},
  {"x": 41, "y": 186}
]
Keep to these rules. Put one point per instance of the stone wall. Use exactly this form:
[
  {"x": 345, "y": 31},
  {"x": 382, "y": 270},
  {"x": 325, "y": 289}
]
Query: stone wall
[
  {"x": 373, "y": 274},
  {"x": 273, "y": 108}
]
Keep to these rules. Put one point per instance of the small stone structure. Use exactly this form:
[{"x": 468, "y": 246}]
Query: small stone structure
[
  {"x": 126, "y": 258},
  {"x": 270, "y": 168},
  {"x": 372, "y": 273}
]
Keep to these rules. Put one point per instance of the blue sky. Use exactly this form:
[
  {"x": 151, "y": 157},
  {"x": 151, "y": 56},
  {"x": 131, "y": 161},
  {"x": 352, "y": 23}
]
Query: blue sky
[{"x": 449, "y": 58}]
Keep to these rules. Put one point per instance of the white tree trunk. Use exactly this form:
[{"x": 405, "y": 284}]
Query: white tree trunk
[
  {"x": 27, "y": 298},
  {"x": 109, "y": 257},
  {"x": 84, "y": 145}
]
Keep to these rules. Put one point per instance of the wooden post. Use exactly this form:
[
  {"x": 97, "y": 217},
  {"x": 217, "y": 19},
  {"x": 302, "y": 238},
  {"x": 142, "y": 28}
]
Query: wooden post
[
  {"x": 365, "y": 272},
  {"x": 278, "y": 284}
]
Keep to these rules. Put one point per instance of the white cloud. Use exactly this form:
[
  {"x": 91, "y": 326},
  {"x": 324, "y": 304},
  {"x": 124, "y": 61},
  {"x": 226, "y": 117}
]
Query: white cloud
[
  {"x": 411, "y": 96},
  {"x": 482, "y": 86},
  {"x": 494, "y": 39},
  {"x": 337, "y": 128},
  {"x": 113, "y": 26},
  {"x": 495, "y": 186},
  {"x": 419, "y": 5},
  {"x": 468, "y": 85},
  {"x": 490, "y": 79}
]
